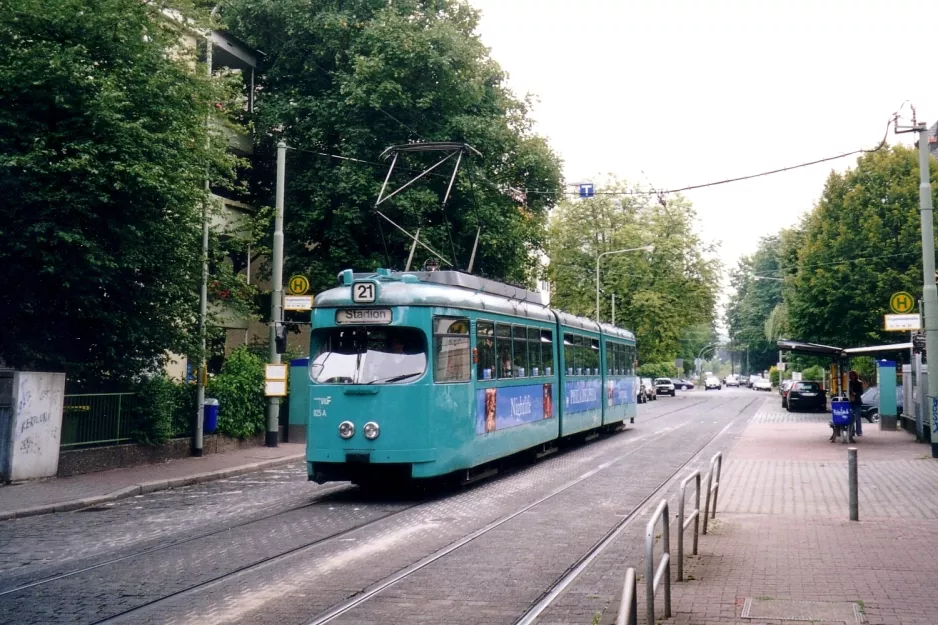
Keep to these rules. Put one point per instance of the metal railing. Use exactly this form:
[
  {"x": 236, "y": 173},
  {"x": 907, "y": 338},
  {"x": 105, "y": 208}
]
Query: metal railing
[
  {"x": 663, "y": 572},
  {"x": 682, "y": 523},
  {"x": 98, "y": 419},
  {"x": 628, "y": 607},
  {"x": 713, "y": 488}
]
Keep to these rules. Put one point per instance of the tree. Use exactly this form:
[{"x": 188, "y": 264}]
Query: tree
[
  {"x": 104, "y": 151},
  {"x": 861, "y": 243},
  {"x": 666, "y": 297},
  {"x": 352, "y": 78},
  {"x": 755, "y": 315}
]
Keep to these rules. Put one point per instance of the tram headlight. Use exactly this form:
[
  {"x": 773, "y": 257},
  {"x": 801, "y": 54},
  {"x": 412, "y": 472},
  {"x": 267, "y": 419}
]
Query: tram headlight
[
  {"x": 346, "y": 429},
  {"x": 371, "y": 430}
]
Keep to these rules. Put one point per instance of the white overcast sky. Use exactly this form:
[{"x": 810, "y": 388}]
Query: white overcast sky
[{"x": 693, "y": 91}]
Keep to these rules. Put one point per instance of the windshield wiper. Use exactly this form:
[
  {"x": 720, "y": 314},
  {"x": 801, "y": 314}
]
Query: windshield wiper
[{"x": 396, "y": 378}]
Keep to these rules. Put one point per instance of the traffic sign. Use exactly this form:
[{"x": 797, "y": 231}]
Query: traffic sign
[
  {"x": 901, "y": 303},
  {"x": 918, "y": 342},
  {"x": 297, "y": 302},
  {"x": 298, "y": 285},
  {"x": 587, "y": 189},
  {"x": 902, "y": 323}
]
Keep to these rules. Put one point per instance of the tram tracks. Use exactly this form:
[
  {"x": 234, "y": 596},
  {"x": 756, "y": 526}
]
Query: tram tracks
[
  {"x": 557, "y": 588},
  {"x": 319, "y": 498}
]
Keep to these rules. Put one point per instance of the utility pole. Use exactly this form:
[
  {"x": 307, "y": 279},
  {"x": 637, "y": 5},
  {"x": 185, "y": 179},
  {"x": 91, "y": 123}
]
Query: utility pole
[
  {"x": 613, "y": 309},
  {"x": 273, "y": 407},
  {"x": 201, "y": 374},
  {"x": 929, "y": 290}
]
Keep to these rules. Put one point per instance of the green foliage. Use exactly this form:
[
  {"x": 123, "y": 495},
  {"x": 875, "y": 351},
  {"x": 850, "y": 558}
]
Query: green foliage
[
  {"x": 354, "y": 77},
  {"x": 104, "y": 151},
  {"x": 865, "y": 366},
  {"x": 163, "y": 409},
  {"x": 814, "y": 373},
  {"x": 755, "y": 315},
  {"x": 667, "y": 297},
  {"x": 156, "y": 403},
  {"x": 658, "y": 370},
  {"x": 869, "y": 211},
  {"x": 239, "y": 389}
]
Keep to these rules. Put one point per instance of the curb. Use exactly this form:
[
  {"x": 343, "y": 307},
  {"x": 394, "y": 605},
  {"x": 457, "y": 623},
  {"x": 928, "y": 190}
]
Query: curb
[{"x": 147, "y": 487}]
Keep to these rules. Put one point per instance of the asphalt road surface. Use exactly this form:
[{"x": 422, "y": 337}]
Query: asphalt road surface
[{"x": 546, "y": 542}]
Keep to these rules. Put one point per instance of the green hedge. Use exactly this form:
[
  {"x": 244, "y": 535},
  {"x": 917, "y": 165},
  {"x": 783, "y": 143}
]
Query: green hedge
[
  {"x": 239, "y": 389},
  {"x": 165, "y": 409},
  {"x": 657, "y": 370}
]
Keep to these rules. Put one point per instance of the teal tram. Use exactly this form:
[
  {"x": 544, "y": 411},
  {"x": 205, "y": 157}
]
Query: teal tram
[{"x": 426, "y": 374}]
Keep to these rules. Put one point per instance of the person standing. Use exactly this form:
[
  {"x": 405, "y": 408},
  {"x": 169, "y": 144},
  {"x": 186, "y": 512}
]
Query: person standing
[{"x": 855, "y": 390}]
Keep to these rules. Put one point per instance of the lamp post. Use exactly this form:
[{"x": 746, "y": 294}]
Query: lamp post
[
  {"x": 649, "y": 248},
  {"x": 700, "y": 354}
]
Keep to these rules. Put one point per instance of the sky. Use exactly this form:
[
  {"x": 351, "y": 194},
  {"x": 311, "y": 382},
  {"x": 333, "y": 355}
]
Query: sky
[{"x": 683, "y": 92}]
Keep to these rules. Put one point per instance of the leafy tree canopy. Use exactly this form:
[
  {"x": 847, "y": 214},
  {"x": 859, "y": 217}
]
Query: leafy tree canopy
[
  {"x": 861, "y": 243},
  {"x": 667, "y": 297},
  {"x": 354, "y": 77},
  {"x": 103, "y": 157}
]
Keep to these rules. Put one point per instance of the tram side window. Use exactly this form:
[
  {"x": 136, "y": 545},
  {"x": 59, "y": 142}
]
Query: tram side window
[
  {"x": 579, "y": 359},
  {"x": 594, "y": 356},
  {"x": 610, "y": 358},
  {"x": 451, "y": 349},
  {"x": 569, "y": 354},
  {"x": 629, "y": 360},
  {"x": 485, "y": 344},
  {"x": 503, "y": 349},
  {"x": 534, "y": 352},
  {"x": 520, "y": 342},
  {"x": 547, "y": 352},
  {"x": 620, "y": 359}
]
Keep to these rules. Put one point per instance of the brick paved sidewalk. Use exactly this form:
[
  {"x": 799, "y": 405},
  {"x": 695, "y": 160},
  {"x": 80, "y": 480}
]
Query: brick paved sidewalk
[
  {"x": 783, "y": 547},
  {"x": 79, "y": 491}
]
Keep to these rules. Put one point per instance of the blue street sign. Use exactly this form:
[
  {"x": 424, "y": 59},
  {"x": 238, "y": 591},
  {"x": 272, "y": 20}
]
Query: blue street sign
[{"x": 587, "y": 190}]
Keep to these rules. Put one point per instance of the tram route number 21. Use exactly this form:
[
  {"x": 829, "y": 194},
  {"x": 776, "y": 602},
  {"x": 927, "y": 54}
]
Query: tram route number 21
[{"x": 363, "y": 292}]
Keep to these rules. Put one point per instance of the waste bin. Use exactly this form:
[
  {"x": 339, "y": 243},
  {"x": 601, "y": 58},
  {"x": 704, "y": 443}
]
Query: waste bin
[{"x": 210, "y": 416}]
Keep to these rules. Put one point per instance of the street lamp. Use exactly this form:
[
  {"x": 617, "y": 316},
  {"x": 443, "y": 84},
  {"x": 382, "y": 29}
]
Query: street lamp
[
  {"x": 700, "y": 355},
  {"x": 650, "y": 248}
]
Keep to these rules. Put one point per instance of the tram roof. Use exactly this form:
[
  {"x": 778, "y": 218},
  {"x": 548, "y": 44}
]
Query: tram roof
[{"x": 459, "y": 290}]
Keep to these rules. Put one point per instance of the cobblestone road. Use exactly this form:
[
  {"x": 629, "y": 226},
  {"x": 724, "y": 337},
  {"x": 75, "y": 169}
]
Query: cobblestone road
[{"x": 277, "y": 514}]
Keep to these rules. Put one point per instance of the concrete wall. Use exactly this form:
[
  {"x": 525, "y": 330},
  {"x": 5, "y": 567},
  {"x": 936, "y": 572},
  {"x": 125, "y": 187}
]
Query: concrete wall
[{"x": 33, "y": 426}]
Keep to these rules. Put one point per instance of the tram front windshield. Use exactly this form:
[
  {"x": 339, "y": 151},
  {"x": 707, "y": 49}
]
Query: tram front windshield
[{"x": 368, "y": 355}]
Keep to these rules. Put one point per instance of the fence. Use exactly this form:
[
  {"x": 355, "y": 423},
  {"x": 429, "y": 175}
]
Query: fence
[
  {"x": 628, "y": 608},
  {"x": 98, "y": 419}
]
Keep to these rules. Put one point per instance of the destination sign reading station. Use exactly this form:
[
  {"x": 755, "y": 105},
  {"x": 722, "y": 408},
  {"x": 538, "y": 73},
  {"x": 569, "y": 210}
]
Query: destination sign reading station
[{"x": 362, "y": 316}]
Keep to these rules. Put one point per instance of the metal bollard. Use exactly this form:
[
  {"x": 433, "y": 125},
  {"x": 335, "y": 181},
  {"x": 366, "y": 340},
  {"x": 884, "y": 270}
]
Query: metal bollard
[
  {"x": 628, "y": 607},
  {"x": 852, "y": 470},
  {"x": 712, "y": 488},
  {"x": 663, "y": 572},
  {"x": 682, "y": 523}
]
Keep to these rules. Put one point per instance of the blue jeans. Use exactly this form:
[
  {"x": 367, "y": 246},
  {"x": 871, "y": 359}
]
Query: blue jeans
[{"x": 857, "y": 418}]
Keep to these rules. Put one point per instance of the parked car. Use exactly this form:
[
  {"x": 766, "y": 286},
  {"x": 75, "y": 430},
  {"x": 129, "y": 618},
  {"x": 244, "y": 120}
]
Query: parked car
[
  {"x": 649, "y": 386},
  {"x": 712, "y": 382},
  {"x": 684, "y": 385},
  {"x": 869, "y": 409},
  {"x": 805, "y": 396},
  {"x": 664, "y": 386},
  {"x": 751, "y": 380},
  {"x": 731, "y": 380},
  {"x": 761, "y": 384},
  {"x": 783, "y": 388}
]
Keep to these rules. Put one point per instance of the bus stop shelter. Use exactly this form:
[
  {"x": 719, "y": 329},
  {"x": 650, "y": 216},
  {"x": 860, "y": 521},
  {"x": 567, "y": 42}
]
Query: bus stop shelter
[{"x": 839, "y": 357}]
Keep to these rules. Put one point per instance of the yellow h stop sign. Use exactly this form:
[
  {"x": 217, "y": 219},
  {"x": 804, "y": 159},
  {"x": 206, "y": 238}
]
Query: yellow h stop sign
[
  {"x": 298, "y": 285},
  {"x": 901, "y": 303}
]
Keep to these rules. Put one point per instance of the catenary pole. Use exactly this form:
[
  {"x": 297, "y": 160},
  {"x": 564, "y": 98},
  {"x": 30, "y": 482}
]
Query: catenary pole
[
  {"x": 929, "y": 290},
  {"x": 273, "y": 407}
]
